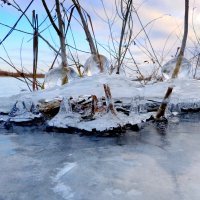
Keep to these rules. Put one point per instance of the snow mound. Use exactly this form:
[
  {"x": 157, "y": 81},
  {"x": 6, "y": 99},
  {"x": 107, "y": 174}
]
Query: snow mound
[
  {"x": 100, "y": 122},
  {"x": 133, "y": 101}
]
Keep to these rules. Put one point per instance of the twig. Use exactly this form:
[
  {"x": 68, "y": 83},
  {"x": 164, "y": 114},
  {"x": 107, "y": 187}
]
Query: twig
[
  {"x": 109, "y": 101},
  {"x": 23, "y": 13},
  {"x": 161, "y": 111}
]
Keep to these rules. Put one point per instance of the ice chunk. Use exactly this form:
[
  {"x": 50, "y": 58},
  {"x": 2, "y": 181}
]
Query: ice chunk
[
  {"x": 65, "y": 117},
  {"x": 96, "y": 64},
  {"x": 66, "y": 107},
  {"x": 168, "y": 68},
  {"x": 179, "y": 105},
  {"x": 55, "y": 76},
  {"x": 138, "y": 105},
  {"x": 72, "y": 74},
  {"x": 24, "y": 111},
  {"x": 19, "y": 108}
]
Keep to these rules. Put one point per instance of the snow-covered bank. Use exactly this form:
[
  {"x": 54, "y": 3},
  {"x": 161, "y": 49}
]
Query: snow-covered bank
[{"x": 137, "y": 100}]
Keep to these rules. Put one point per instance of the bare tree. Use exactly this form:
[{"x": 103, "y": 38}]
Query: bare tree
[
  {"x": 90, "y": 40},
  {"x": 61, "y": 33},
  {"x": 126, "y": 8}
]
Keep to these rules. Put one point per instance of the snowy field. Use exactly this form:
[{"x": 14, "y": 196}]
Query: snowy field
[{"x": 10, "y": 86}]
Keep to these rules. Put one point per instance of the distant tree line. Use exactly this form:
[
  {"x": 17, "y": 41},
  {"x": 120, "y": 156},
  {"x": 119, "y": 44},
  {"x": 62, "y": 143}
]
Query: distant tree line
[{"x": 19, "y": 74}]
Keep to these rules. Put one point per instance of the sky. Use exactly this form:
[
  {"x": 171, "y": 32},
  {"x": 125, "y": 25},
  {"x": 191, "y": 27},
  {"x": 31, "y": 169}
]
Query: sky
[{"x": 165, "y": 33}]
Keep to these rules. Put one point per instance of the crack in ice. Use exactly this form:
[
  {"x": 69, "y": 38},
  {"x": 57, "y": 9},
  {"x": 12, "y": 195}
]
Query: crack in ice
[{"x": 63, "y": 190}]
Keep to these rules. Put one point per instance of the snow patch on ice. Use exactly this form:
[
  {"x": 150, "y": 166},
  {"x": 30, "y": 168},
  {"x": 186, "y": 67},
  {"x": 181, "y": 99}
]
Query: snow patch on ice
[
  {"x": 62, "y": 189},
  {"x": 64, "y": 170}
]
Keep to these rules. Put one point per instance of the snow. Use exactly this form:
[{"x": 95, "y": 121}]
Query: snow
[
  {"x": 64, "y": 170},
  {"x": 184, "y": 95},
  {"x": 103, "y": 122},
  {"x": 61, "y": 188},
  {"x": 107, "y": 121},
  {"x": 84, "y": 86}
]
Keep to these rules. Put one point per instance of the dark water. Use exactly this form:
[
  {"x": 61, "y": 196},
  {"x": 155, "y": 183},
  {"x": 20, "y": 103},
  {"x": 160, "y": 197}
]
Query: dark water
[{"x": 145, "y": 165}]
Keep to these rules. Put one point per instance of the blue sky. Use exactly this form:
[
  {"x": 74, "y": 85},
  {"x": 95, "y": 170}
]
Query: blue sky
[{"x": 171, "y": 13}]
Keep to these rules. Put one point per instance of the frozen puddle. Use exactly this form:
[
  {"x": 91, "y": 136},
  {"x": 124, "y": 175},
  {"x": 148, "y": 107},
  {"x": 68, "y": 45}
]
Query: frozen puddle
[{"x": 61, "y": 188}]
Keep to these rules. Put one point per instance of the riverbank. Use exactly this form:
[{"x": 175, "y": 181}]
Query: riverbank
[{"x": 81, "y": 105}]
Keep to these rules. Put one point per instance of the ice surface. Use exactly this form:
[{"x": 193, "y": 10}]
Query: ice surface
[
  {"x": 93, "y": 66},
  {"x": 64, "y": 191},
  {"x": 169, "y": 67},
  {"x": 55, "y": 76},
  {"x": 141, "y": 165}
]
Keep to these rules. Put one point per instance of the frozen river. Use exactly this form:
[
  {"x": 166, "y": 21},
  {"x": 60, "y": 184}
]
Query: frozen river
[{"x": 145, "y": 165}]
